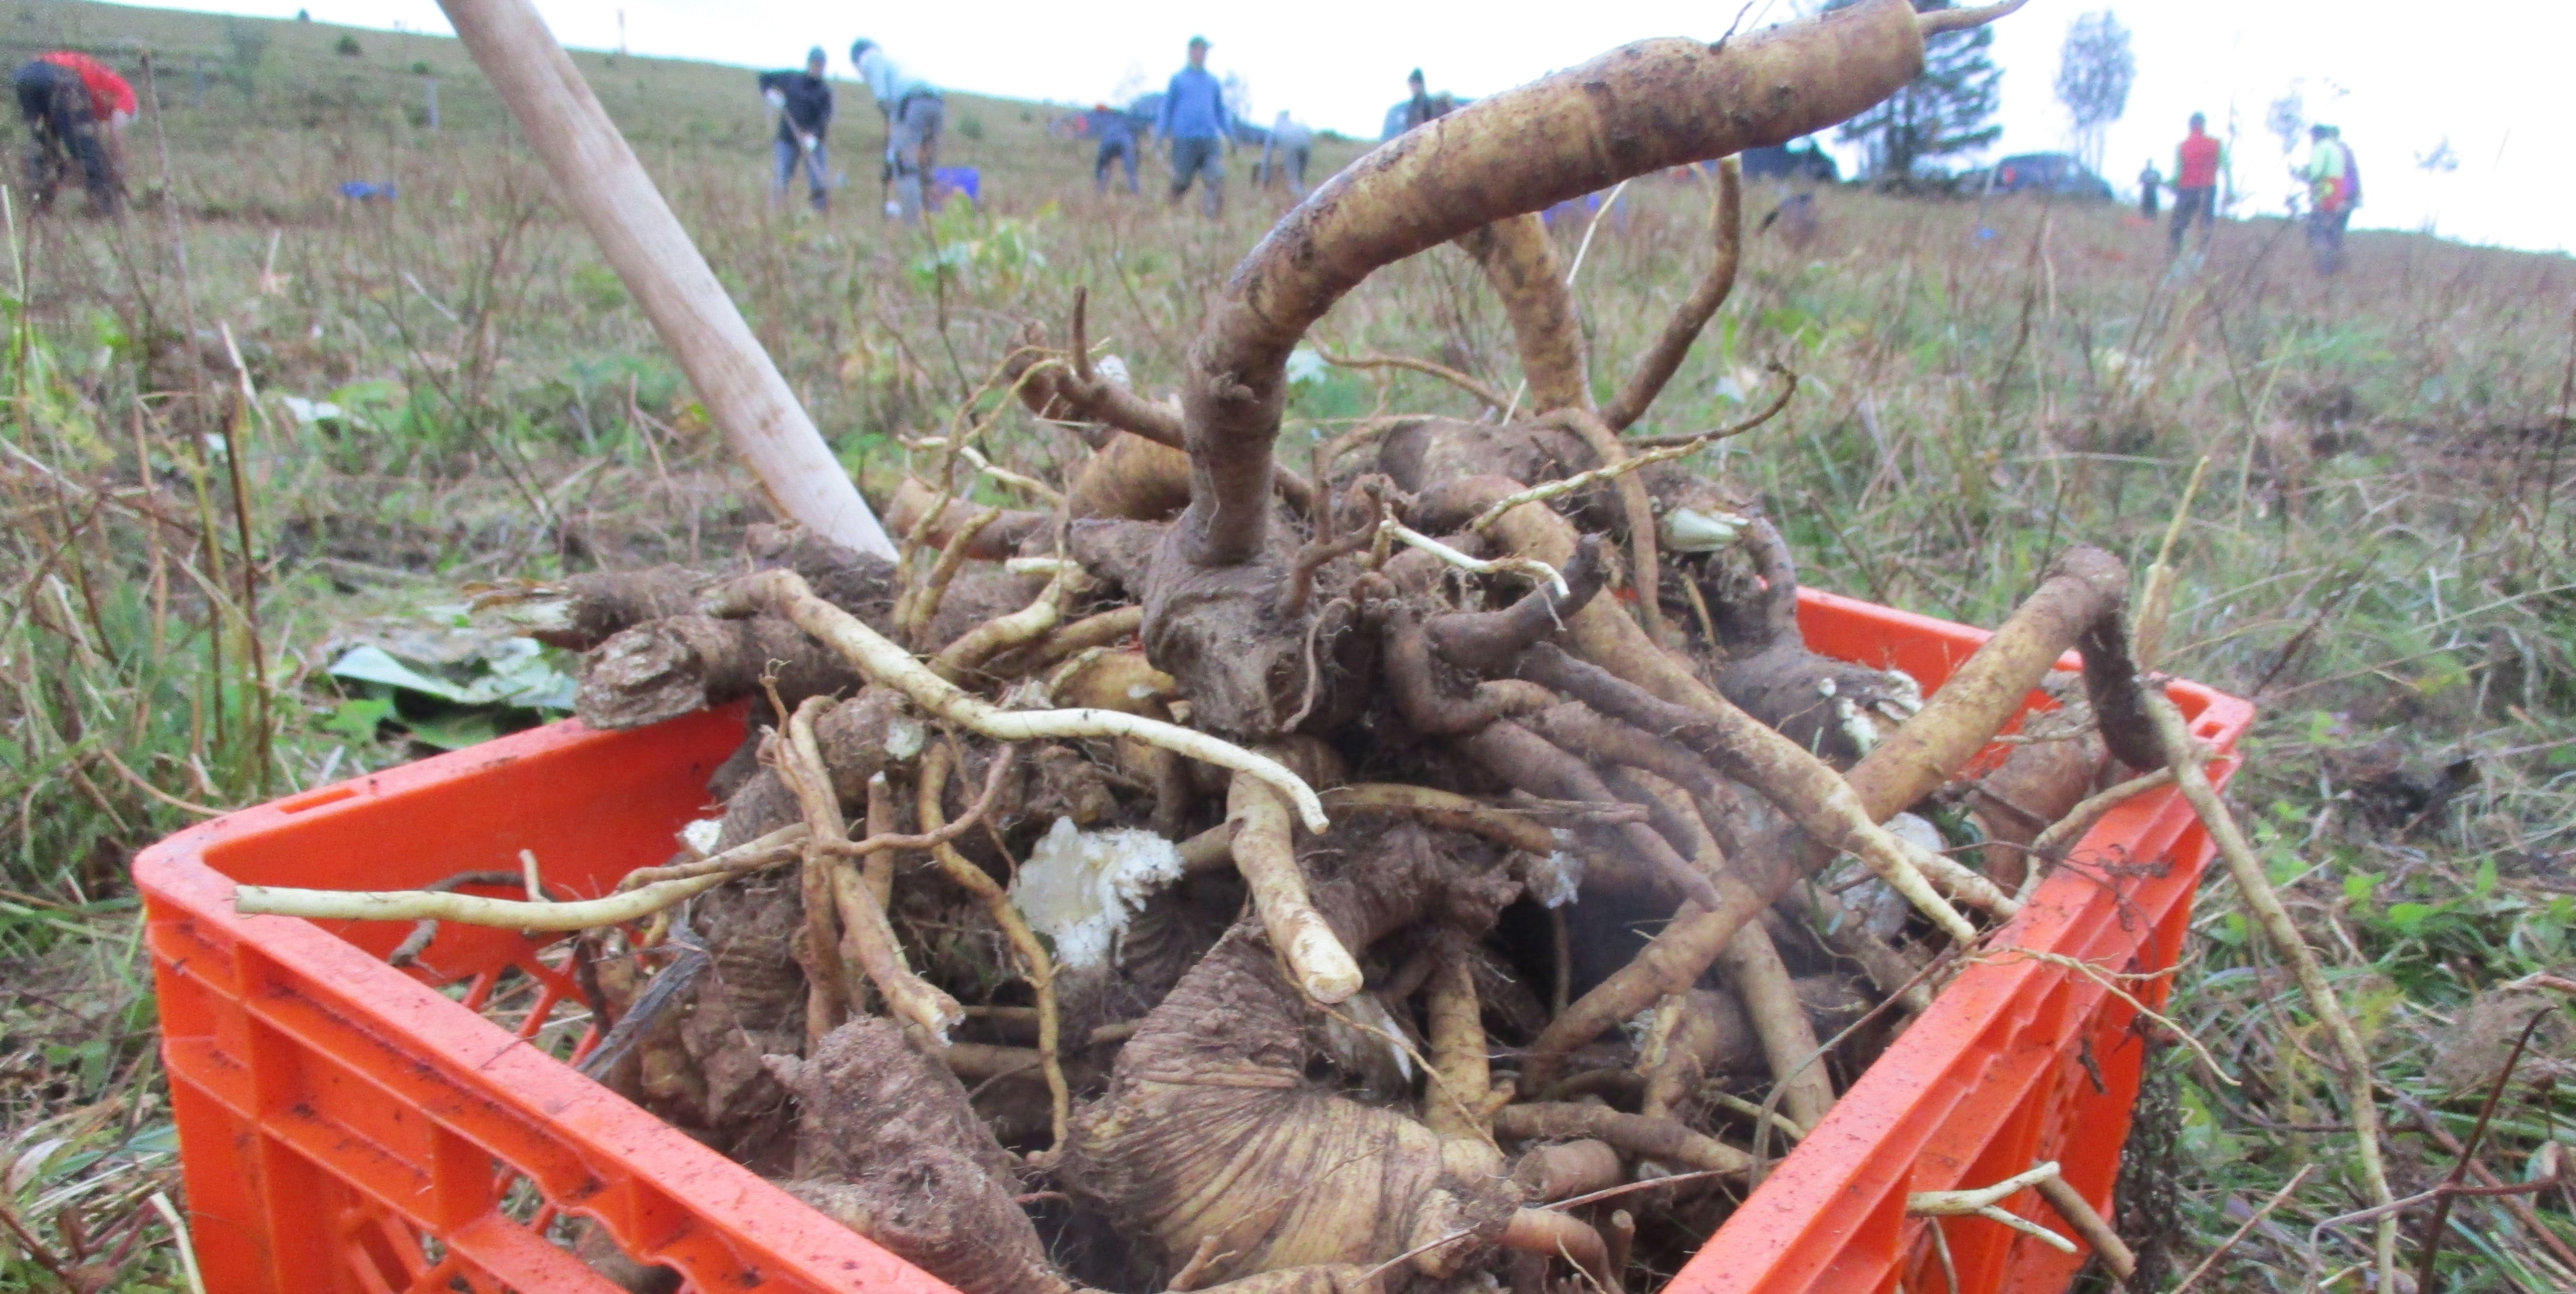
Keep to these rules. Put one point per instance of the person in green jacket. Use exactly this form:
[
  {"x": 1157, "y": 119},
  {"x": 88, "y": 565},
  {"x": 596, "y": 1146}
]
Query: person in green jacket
[{"x": 2334, "y": 189}]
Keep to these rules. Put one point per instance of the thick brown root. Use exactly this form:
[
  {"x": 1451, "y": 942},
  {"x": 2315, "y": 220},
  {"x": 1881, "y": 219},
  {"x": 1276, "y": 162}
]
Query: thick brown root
[
  {"x": 1520, "y": 261},
  {"x": 2052, "y": 770},
  {"x": 1541, "y": 1231},
  {"x": 2084, "y": 588},
  {"x": 938, "y": 519},
  {"x": 1708, "y": 1035},
  {"x": 1486, "y": 641},
  {"x": 1837, "y": 709},
  {"x": 1819, "y": 801},
  {"x": 1461, "y": 1081},
  {"x": 1753, "y": 969},
  {"x": 1563, "y": 1169},
  {"x": 1663, "y": 1140},
  {"x": 888, "y": 1147},
  {"x": 580, "y": 612},
  {"x": 1211, "y": 1129},
  {"x": 1132, "y": 478},
  {"x": 1524, "y": 759},
  {"x": 1323, "y": 968},
  {"x": 666, "y": 668},
  {"x": 1665, "y": 102}
]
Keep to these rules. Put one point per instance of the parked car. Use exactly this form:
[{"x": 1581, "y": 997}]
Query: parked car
[
  {"x": 1779, "y": 161},
  {"x": 2055, "y": 173}
]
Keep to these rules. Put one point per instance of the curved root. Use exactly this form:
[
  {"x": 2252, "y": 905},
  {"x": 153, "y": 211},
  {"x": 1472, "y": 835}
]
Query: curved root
[
  {"x": 885, "y": 664},
  {"x": 1263, "y": 853}
]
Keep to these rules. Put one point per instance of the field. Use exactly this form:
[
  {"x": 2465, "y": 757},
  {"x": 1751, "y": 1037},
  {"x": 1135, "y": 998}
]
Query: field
[{"x": 259, "y": 424}]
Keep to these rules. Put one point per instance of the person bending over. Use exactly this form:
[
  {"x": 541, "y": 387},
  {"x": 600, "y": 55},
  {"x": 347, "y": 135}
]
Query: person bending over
[{"x": 76, "y": 109}]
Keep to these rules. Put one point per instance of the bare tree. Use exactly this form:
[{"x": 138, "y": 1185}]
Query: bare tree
[
  {"x": 2287, "y": 118},
  {"x": 2094, "y": 72}
]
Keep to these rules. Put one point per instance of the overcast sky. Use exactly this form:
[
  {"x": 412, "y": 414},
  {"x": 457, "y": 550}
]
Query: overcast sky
[{"x": 2491, "y": 77}]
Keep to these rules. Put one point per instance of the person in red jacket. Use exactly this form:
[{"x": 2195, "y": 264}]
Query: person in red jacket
[
  {"x": 76, "y": 109},
  {"x": 2197, "y": 162}
]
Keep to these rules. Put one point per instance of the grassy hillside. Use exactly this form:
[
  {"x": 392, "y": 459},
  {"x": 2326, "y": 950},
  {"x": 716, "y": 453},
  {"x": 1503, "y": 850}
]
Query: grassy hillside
[{"x": 451, "y": 387}]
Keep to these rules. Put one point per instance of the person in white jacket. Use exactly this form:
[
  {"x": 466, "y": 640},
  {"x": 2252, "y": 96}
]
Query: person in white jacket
[{"x": 914, "y": 110}]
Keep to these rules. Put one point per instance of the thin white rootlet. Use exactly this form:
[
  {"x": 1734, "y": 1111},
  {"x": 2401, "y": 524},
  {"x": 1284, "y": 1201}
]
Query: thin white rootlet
[{"x": 1081, "y": 888}]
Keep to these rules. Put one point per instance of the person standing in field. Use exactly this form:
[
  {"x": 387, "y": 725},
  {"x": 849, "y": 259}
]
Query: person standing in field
[
  {"x": 804, "y": 103},
  {"x": 1194, "y": 118},
  {"x": 2150, "y": 181},
  {"x": 914, "y": 110},
  {"x": 1117, "y": 137},
  {"x": 2334, "y": 189},
  {"x": 1421, "y": 109},
  {"x": 1291, "y": 144},
  {"x": 76, "y": 109},
  {"x": 2197, "y": 162}
]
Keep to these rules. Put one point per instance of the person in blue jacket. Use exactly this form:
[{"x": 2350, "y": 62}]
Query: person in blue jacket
[
  {"x": 1195, "y": 119},
  {"x": 1117, "y": 138},
  {"x": 804, "y": 103}
]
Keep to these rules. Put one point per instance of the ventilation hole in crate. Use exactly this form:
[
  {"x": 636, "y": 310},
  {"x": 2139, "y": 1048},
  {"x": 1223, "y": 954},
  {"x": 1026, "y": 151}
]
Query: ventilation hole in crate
[{"x": 327, "y": 795}]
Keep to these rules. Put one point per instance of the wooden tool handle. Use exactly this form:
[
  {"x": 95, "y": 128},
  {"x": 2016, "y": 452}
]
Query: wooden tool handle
[{"x": 606, "y": 186}]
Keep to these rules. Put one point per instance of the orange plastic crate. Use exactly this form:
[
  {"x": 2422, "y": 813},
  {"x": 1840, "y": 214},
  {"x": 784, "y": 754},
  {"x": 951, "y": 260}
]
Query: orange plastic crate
[{"x": 347, "y": 1126}]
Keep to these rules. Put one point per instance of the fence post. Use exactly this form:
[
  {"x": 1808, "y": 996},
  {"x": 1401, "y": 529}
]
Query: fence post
[{"x": 430, "y": 84}]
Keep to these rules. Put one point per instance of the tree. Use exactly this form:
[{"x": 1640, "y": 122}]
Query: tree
[
  {"x": 2287, "y": 118},
  {"x": 1238, "y": 95},
  {"x": 2094, "y": 72},
  {"x": 1946, "y": 111}
]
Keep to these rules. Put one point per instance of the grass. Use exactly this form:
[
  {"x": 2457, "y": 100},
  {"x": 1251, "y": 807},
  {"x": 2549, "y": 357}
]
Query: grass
[{"x": 2380, "y": 556}]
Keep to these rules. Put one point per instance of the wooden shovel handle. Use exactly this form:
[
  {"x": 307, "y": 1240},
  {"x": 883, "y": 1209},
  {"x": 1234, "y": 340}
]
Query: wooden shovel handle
[{"x": 606, "y": 186}]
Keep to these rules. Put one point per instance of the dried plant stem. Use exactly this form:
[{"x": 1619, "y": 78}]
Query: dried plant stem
[
  {"x": 1619, "y": 468},
  {"x": 1667, "y": 1140},
  {"x": 2050, "y": 845},
  {"x": 262, "y": 691},
  {"x": 1752, "y": 965},
  {"x": 782, "y": 845},
  {"x": 2184, "y": 757},
  {"x": 1446, "y": 809},
  {"x": 2089, "y": 1223},
  {"x": 2246, "y": 1228},
  {"x": 921, "y": 603},
  {"x": 1523, "y": 566},
  {"x": 1004, "y": 632},
  {"x": 1484, "y": 392},
  {"x": 1035, "y": 964},
  {"x": 1983, "y": 1202},
  {"x": 471, "y": 909},
  {"x": 2155, "y": 606},
  {"x": 785, "y": 593}
]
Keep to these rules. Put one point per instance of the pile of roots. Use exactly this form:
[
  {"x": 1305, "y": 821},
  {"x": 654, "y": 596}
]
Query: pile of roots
[{"x": 1444, "y": 863}]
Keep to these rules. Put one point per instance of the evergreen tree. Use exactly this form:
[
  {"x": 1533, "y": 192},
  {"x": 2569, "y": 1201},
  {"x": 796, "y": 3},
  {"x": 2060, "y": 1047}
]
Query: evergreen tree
[{"x": 1947, "y": 111}]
